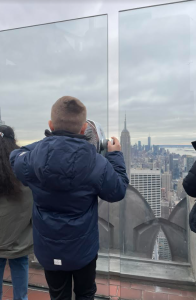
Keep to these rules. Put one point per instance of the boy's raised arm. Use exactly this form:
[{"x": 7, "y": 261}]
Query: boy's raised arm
[
  {"x": 18, "y": 160},
  {"x": 115, "y": 178}
]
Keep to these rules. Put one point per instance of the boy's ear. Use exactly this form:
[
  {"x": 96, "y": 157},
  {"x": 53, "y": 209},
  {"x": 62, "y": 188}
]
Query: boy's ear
[
  {"x": 82, "y": 131},
  {"x": 51, "y": 125}
]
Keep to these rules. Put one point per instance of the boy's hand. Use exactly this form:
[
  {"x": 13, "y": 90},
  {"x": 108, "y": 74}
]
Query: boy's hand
[{"x": 116, "y": 145}]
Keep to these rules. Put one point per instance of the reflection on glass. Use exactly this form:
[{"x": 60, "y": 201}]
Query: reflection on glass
[
  {"x": 157, "y": 109},
  {"x": 40, "y": 64}
]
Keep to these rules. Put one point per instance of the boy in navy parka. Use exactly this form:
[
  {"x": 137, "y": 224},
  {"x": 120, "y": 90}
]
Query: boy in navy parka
[{"x": 66, "y": 176}]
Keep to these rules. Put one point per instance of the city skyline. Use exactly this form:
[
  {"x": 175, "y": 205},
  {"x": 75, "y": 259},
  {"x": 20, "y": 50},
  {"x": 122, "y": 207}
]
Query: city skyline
[
  {"x": 157, "y": 173},
  {"x": 157, "y": 138}
]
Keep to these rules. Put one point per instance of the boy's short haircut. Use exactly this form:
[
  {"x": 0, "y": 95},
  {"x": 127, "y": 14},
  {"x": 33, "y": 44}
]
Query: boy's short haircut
[{"x": 69, "y": 114}]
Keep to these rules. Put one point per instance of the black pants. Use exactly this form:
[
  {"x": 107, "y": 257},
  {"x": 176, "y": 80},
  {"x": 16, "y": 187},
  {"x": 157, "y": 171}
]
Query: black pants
[{"x": 60, "y": 283}]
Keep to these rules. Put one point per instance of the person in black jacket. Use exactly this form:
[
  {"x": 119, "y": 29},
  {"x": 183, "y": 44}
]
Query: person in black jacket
[
  {"x": 67, "y": 175},
  {"x": 189, "y": 182}
]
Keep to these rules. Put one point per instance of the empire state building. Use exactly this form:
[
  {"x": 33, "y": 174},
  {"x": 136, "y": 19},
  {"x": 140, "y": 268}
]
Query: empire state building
[{"x": 126, "y": 147}]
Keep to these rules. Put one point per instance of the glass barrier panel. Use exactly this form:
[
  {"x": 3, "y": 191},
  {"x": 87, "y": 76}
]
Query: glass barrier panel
[
  {"x": 40, "y": 64},
  {"x": 157, "y": 125}
]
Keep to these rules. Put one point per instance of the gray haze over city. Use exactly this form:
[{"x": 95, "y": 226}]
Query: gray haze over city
[{"x": 157, "y": 66}]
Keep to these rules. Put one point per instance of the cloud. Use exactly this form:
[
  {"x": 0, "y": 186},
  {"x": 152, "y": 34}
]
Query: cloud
[
  {"x": 157, "y": 51},
  {"x": 47, "y": 62}
]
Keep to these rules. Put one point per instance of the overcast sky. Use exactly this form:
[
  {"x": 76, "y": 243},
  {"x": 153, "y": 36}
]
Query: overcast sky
[
  {"x": 158, "y": 72},
  {"x": 42, "y": 63},
  {"x": 157, "y": 67}
]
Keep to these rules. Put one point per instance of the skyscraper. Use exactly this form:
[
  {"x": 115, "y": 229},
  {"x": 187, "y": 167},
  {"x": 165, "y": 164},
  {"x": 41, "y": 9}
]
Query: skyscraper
[
  {"x": 189, "y": 162},
  {"x": 139, "y": 145},
  {"x": 1, "y": 122},
  {"x": 164, "y": 250},
  {"x": 180, "y": 190},
  {"x": 126, "y": 147},
  {"x": 175, "y": 169},
  {"x": 166, "y": 184},
  {"x": 171, "y": 162},
  {"x": 148, "y": 183},
  {"x": 164, "y": 209},
  {"x": 149, "y": 143},
  {"x": 155, "y": 149}
]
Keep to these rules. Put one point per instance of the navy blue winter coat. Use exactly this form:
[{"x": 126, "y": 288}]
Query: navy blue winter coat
[{"x": 66, "y": 176}]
